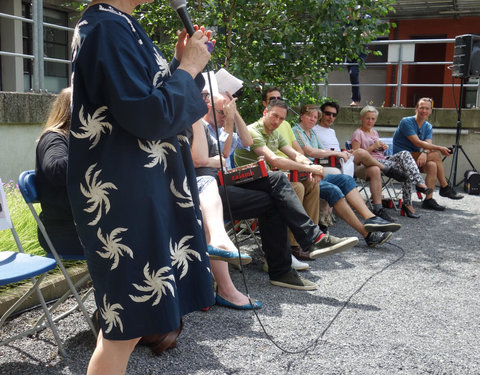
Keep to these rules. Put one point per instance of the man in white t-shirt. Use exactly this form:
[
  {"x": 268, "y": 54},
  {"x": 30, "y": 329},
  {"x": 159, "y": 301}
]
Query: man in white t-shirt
[{"x": 366, "y": 166}]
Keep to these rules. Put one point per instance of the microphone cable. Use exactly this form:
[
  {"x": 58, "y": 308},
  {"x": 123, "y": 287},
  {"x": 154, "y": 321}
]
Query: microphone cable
[
  {"x": 224, "y": 186},
  {"x": 347, "y": 301},
  {"x": 340, "y": 310}
]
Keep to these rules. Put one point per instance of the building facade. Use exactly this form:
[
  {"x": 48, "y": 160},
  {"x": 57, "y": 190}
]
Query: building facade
[{"x": 18, "y": 34}]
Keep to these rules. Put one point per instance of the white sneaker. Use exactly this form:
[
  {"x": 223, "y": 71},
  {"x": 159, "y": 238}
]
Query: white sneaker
[
  {"x": 299, "y": 266},
  {"x": 296, "y": 265}
]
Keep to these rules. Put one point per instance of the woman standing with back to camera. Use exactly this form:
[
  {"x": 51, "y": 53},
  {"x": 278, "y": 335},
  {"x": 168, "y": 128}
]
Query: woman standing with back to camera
[{"x": 131, "y": 180}]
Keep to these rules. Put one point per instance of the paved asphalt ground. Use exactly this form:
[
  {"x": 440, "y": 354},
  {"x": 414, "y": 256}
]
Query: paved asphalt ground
[{"x": 408, "y": 307}]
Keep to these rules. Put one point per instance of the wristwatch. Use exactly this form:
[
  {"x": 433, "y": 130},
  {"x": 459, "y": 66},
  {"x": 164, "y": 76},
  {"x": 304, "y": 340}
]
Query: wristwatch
[{"x": 424, "y": 151}]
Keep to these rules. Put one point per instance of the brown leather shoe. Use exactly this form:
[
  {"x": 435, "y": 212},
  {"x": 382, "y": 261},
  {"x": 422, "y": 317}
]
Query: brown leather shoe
[
  {"x": 300, "y": 254},
  {"x": 161, "y": 342}
]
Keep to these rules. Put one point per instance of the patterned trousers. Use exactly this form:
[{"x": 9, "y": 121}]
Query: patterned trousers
[{"x": 404, "y": 161}]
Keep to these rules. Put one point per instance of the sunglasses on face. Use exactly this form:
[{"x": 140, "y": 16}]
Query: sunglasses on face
[
  {"x": 205, "y": 95},
  {"x": 274, "y": 98},
  {"x": 328, "y": 113}
]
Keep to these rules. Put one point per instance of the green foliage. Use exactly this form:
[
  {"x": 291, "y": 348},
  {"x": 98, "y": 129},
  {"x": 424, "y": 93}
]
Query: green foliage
[
  {"x": 22, "y": 220},
  {"x": 26, "y": 228},
  {"x": 285, "y": 43},
  {"x": 290, "y": 44}
]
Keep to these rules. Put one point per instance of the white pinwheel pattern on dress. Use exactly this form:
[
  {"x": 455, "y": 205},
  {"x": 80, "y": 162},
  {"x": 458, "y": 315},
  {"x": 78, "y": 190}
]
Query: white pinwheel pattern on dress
[
  {"x": 186, "y": 197},
  {"x": 76, "y": 39},
  {"x": 164, "y": 68},
  {"x": 157, "y": 150},
  {"x": 183, "y": 139},
  {"x": 93, "y": 125},
  {"x": 96, "y": 192},
  {"x": 181, "y": 254},
  {"x": 155, "y": 284},
  {"x": 112, "y": 246},
  {"x": 110, "y": 315}
]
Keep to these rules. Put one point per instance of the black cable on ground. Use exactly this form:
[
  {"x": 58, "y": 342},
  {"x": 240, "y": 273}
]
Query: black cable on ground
[
  {"x": 345, "y": 304},
  {"x": 337, "y": 314}
]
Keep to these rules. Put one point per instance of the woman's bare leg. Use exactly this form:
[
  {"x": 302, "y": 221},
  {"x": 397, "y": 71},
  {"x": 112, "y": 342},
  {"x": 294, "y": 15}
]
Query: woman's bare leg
[
  {"x": 111, "y": 356},
  {"x": 212, "y": 213},
  {"x": 226, "y": 288}
]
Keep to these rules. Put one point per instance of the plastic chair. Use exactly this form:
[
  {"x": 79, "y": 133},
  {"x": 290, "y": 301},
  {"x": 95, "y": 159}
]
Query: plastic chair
[
  {"x": 26, "y": 184},
  {"x": 17, "y": 266}
]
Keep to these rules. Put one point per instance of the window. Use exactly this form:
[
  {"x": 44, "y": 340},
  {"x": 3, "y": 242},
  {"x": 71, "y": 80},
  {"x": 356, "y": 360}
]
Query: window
[
  {"x": 55, "y": 46},
  {"x": 27, "y": 37}
]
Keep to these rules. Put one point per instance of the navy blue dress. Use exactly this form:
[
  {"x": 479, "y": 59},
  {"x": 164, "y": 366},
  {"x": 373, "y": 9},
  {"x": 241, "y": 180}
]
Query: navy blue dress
[{"x": 131, "y": 181}]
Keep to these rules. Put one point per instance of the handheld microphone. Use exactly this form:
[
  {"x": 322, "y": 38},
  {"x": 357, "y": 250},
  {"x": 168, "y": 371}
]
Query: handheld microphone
[{"x": 180, "y": 6}]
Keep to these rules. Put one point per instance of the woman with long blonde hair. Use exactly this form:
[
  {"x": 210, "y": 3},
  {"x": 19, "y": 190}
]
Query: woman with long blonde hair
[
  {"x": 51, "y": 178},
  {"x": 59, "y": 117}
]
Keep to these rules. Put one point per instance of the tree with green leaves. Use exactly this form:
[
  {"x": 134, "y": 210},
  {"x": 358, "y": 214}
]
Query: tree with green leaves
[{"x": 290, "y": 44}]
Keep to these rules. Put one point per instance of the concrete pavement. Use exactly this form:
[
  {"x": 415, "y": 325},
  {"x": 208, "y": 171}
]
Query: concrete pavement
[{"x": 408, "y": 307}]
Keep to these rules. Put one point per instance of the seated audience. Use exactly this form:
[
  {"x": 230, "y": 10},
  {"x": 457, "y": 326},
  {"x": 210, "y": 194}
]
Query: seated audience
[
  {"x": 273, "y": 201},
  {"x": 366, "y": 137},
  {"x": 267, "y": 140},
  {"x": 415, "y": 134},
  {"x": 366, "y": 166},
  {"x": 340, "y": 190},
  {"x": 307, "y": 190}
]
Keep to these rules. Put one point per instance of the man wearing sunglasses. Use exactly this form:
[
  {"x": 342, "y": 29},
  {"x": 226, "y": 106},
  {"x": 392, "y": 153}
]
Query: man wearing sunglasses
[{"x": 366, "y": 166}]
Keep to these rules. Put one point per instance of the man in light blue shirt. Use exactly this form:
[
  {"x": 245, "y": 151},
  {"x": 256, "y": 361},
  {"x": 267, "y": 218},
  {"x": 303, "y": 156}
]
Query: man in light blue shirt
[{"x": 415, "y": 134}]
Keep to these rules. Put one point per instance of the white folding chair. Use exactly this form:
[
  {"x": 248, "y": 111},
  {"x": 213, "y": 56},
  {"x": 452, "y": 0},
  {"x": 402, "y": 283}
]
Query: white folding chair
[
  {"x": 26, "y": 184},
  {"x": 17, "y": 266}
]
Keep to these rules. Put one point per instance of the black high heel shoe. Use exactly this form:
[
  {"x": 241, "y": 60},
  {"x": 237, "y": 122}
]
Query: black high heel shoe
[
  {"x": 423, "y": 190},
  {"x": 409, "y": 213}
]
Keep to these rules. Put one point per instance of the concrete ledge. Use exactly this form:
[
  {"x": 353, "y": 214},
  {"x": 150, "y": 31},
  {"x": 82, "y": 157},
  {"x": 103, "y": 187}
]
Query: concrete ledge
[
  {"x": 24, "y": 108},
  {"x": 52, "y": 287}
]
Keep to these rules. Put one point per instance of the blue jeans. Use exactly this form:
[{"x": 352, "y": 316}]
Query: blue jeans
[{"x": 335, "y": 186}]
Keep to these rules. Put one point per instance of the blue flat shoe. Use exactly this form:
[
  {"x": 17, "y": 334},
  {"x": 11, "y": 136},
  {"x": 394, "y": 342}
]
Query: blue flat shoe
[
  {"x": 231, "y": 257},
  {"x": 220, "y": 301}
]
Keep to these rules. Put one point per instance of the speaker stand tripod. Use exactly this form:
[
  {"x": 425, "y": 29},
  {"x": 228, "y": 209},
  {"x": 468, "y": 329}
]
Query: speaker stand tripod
[{"x": 458, "y": 147}]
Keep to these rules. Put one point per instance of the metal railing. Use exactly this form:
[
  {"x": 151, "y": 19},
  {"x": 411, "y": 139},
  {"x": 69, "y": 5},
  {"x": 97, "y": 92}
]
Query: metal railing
[
  {"x": 39, "y": 59},
  {"x": 400, "y": 63}
]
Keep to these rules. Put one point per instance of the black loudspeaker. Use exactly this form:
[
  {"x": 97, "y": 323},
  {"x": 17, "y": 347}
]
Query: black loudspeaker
[{"x": 466, "y": 56}]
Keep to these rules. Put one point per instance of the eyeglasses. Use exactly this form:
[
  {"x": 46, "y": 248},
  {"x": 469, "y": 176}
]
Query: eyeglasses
[
  {"x": 205, "y": 95},
  {"x": 274, "y": 98},
  {"x": 328, "y": 113}
]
